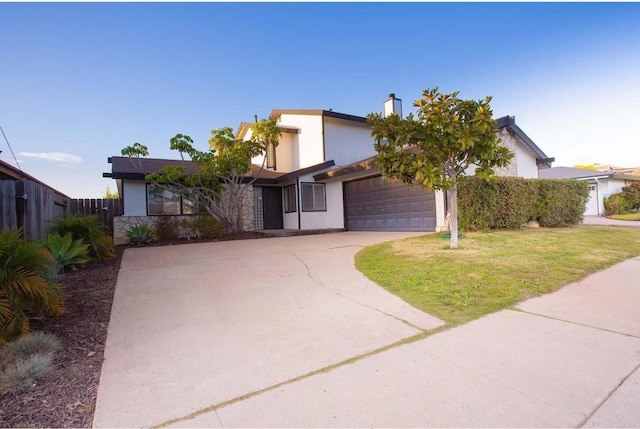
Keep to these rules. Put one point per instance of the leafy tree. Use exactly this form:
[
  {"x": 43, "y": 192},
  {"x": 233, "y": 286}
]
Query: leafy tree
[
  {"x": 222, "y": 177},
  {"x": 436, "y": 147}
]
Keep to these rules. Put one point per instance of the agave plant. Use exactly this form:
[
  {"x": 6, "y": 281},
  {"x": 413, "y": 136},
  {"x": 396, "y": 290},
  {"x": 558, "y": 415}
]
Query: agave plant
[
  {"x": 140, "y": 234},
  {"x": 89, "y": 230},
  {"x": 23, "y": 284},
  {"x": 68, "y": 253}
]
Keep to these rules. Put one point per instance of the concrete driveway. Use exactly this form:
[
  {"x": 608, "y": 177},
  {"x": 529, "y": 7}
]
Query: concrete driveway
[
  {"x": 284, "y": 332},
  {"x": 200, "y": 324}
]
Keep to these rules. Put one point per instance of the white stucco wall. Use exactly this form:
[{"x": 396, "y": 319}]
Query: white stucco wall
[
  {"x": 526, "y": 160},
  {"x": 134, "y": 196},
  {"x": 333, "y": 217},
  {"x": 308, "y": 142}
]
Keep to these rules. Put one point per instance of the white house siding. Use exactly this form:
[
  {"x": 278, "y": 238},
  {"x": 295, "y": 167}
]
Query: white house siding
[
  {"x": 333, "y": 217},
  {"x": 134, "y": 195},
  {"x": 527, "y": 166},
  {"x": 347, "y": 141},
  {"x": 308, "y": 142}
]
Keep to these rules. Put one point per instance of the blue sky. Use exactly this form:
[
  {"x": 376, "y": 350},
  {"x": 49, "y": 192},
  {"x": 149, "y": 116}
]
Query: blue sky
[{"x": 78, "y": 82}]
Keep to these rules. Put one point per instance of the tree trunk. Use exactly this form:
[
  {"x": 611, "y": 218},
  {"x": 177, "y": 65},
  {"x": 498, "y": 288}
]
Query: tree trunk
[{"x": 454, "y": 216}]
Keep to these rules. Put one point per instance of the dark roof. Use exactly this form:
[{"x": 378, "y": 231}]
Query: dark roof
[
  {"x": 295, "y": 174},
  {"x": 318, "y": 112},
  {"x": 581, "y": 173},
  {"x": 123, "y": 167},
  {"x": 509, "y": 123},
  {"x": 8, "y": 171}
]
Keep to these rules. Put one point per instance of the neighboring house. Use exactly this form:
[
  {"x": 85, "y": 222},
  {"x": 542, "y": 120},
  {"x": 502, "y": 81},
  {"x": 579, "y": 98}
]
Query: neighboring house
[
  {"x": 322, "y": 176},
  {"x": 27, "y": 203},
  {"x": 601, "y": 184}
]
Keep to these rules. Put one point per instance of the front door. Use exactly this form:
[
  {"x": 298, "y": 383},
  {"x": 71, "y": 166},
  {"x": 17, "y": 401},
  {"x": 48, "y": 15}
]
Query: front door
[{"x": 272, "y": 207}]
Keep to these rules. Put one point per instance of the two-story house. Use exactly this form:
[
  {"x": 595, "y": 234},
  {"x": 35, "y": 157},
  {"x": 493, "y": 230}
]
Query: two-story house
[{"x": 322, "y": 176}]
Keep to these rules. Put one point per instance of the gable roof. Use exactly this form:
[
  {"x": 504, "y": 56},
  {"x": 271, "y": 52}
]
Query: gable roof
[
  {"x": 276, "y": 113},
  {"x": 582, "y": 173},
  {"x": 123, "y": 167},
  {"x": 509, "y": 123}
]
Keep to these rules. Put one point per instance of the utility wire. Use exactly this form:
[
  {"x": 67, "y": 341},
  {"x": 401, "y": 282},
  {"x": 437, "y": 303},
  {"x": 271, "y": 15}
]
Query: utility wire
[{"x": 11, "y": 149}]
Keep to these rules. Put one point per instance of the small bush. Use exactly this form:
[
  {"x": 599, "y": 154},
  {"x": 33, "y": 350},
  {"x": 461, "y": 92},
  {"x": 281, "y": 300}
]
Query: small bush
[
  {"x": 631, "y": 194},
  {"x": 167, "y": 228},
  {"x": 89, "y": 230},
  {"x": 35, "y": 342},
  {"x": 24, "y": 373},
  {"x": 615, "y": 204},
  {"x": 140, "y": 234},
  {"x": 209, "y": 227},
  {"x": 68, "y": 254}
]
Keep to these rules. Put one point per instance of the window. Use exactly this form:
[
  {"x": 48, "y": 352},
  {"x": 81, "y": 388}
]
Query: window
[
  {"x": 290, "y": 199},
  {"x": 313, "y": 197},
  {"x": 271, "y": 157},
  {"x": 163, "y": 202}
]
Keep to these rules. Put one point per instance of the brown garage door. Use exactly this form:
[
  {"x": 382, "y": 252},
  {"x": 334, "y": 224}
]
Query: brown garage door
[{"x": 379, "y": 204}]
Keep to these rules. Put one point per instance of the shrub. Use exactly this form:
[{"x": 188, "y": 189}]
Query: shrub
[
  {"x": 35, "y": 342},
  {"x": 167, "y": 228},
  {"x": 510, "y": 202},
  {"x": 615, "y": 204},
  {"x": 208, "y": 227},
  {"x": 68, "y": 254},
  {"x": 561, "y": 202},
  {"x": 89, "y": 230},
  {"x": 24, "y": 373},
  {"x": 24, "y": 268},
  {"x": 631, "y": 194},
  {"x": 140, "y": 234}
]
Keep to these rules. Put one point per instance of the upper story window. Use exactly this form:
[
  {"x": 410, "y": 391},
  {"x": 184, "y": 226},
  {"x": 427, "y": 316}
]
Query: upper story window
[
  {"x": 163, "y": 202},
  {"x": 290, "y": 199},
  {"x": 313, "y": 197},
  {"x": 271, "y": 157}
]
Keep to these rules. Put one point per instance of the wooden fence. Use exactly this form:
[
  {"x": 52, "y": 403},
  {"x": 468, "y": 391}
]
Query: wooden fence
[
  {"x": 33, "y": 206},
  {"x": 30, "y": 206},
  {"x": 105, "y": 209}
]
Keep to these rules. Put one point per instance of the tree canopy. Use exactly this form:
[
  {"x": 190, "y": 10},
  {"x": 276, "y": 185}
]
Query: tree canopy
[
  {"x": 432, "y": 149},
  {"x": 222, "y": 178}
]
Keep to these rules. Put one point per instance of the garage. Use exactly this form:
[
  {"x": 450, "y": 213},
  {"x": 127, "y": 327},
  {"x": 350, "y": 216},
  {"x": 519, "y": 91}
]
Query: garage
[{"x": 379, "y": 204}]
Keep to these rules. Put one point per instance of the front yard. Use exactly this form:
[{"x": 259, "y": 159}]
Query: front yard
[{"x": 492, "y": 270}]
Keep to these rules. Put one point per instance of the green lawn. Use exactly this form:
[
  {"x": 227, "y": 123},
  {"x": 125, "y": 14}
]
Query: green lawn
[
  {"x": 628, "y": 216},
  {"x": 491, "y": 270}
]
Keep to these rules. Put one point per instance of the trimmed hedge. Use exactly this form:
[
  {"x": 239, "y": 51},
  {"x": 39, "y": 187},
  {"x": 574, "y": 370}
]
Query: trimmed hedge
[{"x": 511, "y": 202}]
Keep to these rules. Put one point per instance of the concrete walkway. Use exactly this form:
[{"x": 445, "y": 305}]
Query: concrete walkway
[
  {"x": 284, "y": 332},
  {"x": 604, "y": 221}
]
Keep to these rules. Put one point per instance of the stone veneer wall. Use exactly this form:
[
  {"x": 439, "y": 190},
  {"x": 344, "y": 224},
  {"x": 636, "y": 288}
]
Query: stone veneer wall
[{"x": 121, "y": 224}]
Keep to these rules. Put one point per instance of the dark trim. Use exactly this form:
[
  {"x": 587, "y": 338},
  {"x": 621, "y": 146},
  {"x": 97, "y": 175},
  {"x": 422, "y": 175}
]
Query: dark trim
[
  {"x": 317, "y": 112},
  {"x": 356, "y": 167},
  {"x": 299, "y": 195},
  {"x": 509, "y": 123},
  {"x": 344, "y": 116},
  {"x": 324, "y": 147},
  {"x": 295, "y": 174},
  {"x": 546, "y": 161}
]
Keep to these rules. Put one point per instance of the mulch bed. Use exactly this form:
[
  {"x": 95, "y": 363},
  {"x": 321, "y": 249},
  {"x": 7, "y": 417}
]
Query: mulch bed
[{"x": 66, "y": 397}]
